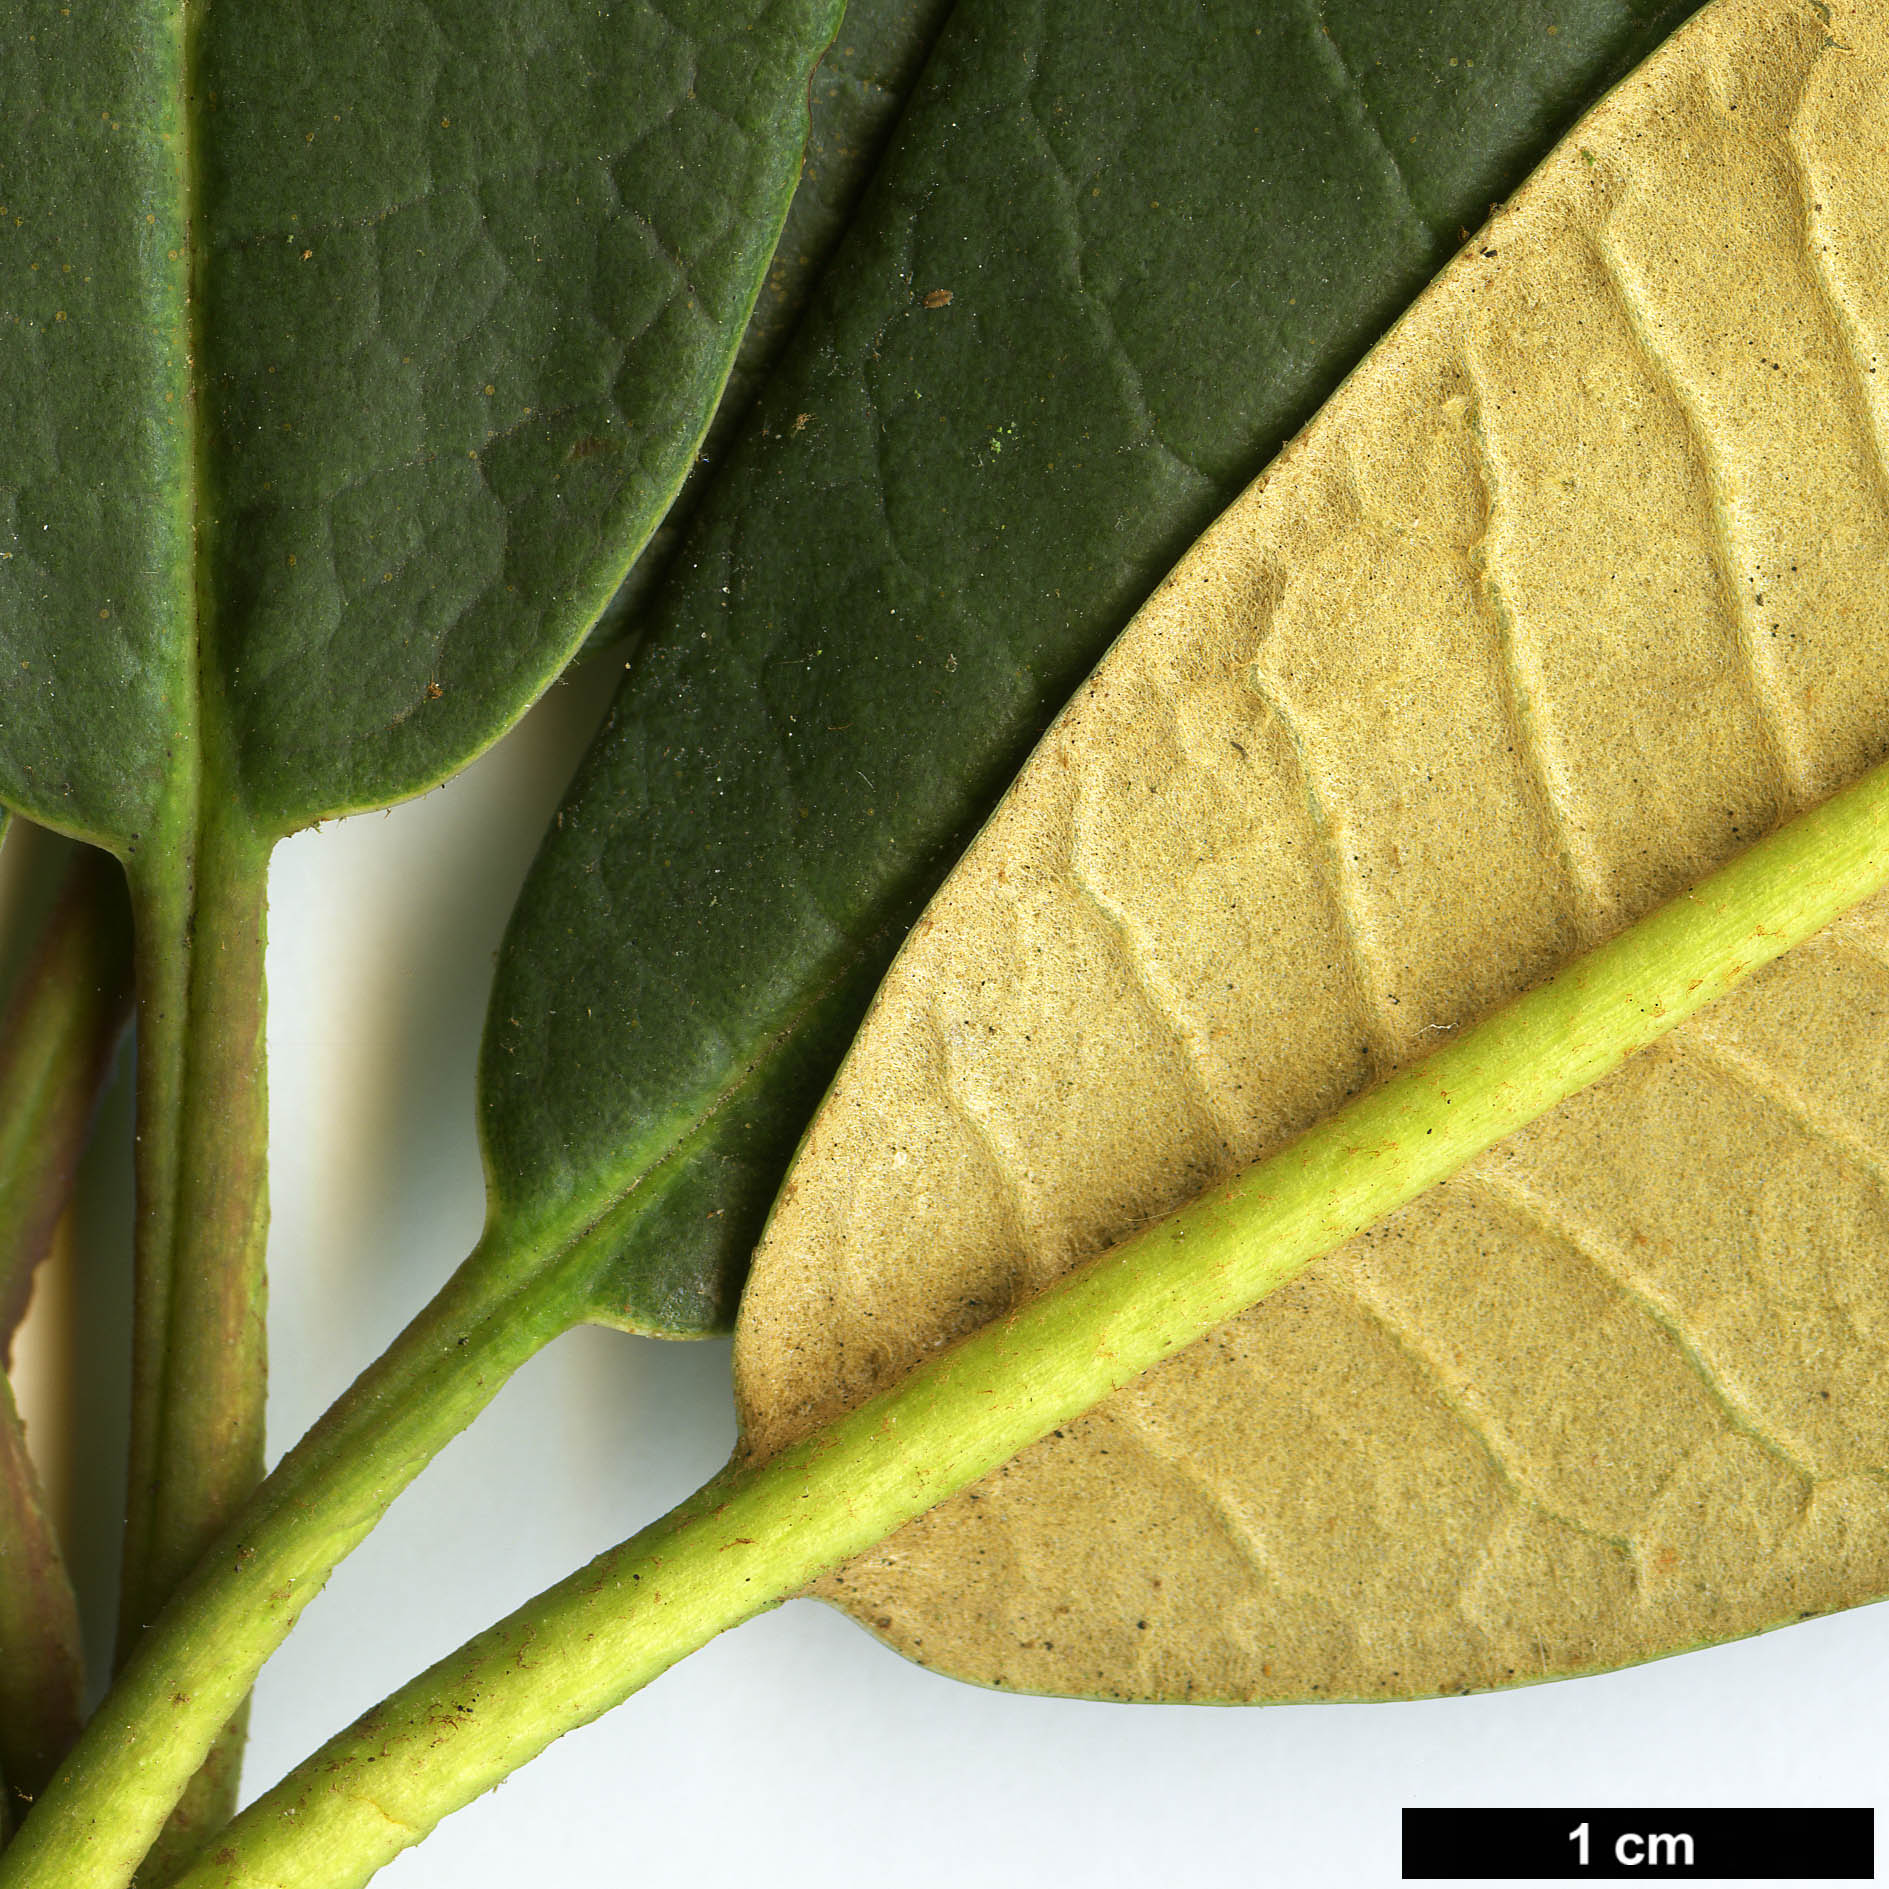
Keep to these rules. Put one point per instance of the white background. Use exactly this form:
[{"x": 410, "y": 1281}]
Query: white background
[{"x": 795, "y": 1750}]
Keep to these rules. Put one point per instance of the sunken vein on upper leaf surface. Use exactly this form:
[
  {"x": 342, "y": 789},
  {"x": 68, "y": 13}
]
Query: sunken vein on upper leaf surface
[
  {"x": 859, "y": 89},
  {"x": 477, "y": 274},
  {"x": 95, "y": 623},
  {"x": 1574, "y": 590}
]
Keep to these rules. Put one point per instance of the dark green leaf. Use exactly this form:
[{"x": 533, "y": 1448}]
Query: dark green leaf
[
  {"x": 856, "y": 95},
  {"x": 347, "y": 355},
  {"x": 1109, "y": 264}
]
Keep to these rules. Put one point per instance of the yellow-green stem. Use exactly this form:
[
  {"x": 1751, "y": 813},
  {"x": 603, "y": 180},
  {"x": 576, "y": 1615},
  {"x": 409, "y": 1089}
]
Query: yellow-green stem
[
  {"x": 191, "y": 1670},
  {"x": 199, "y": 1357},
  {"x": 758, "y": 1534}
]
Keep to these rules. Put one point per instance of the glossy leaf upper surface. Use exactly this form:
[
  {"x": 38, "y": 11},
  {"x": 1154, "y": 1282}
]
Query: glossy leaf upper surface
[
  {"x": 1577, "y": 586},
  {"x": 1109, "y": 262},
  {"x": 349, "y": 355}
]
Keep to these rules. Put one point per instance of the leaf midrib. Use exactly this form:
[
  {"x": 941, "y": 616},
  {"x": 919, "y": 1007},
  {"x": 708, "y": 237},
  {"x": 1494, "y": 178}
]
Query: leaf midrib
[
  {"x": 581, "y": 1237},
  {"x": 157, "y": 861},
  {"x": 210, "y": 760}
]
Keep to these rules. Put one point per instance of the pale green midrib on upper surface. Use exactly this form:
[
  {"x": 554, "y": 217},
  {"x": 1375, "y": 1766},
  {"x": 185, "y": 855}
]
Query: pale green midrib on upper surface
[
  {"x": 180, "y": 473},
  {"x": 175, "y": 813},
  {"x": 203, "y": 668},
  {"x": 207, "y": 781}
]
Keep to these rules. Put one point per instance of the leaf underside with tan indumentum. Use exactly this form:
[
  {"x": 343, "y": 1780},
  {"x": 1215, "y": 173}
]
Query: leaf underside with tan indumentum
[{"x": 1575, "y": 588}]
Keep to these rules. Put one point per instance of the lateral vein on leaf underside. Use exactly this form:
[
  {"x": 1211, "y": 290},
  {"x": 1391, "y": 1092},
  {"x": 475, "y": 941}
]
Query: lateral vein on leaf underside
[
  {"x": 1247, "y": 1542},
  {"x": 1843, "y": 937},
  {"x": 1034, "y": 1264},
  {"x": 1844, "y": 323},
  {"x": 1595, "y": 912},
  {"x": 1778, "y": 729},
  {"x": 1367, "y": 998},
  {"x": 1741, "y": 1065},
  {"x": 1410, "y": 1344},
  {"x": 1533, "y": 1203},
  {"x": 1160, "y": 1002}
]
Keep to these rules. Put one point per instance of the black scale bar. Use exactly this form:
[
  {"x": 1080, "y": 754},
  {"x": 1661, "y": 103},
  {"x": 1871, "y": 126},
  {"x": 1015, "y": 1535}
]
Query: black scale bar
[{"x": 1633, "y": 1845}]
